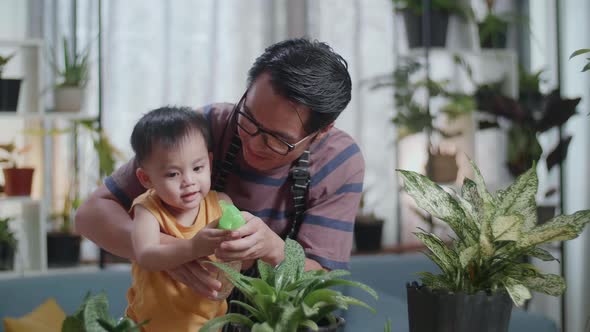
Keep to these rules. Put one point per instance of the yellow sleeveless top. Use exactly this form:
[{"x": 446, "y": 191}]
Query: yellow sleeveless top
[{"x": 168, "y": 304}]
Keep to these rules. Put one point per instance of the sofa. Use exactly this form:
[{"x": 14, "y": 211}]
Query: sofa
[{"x": 387, "y": 274}]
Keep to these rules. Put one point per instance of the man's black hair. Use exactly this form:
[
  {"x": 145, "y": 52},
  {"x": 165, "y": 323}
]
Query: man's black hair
[
  {"x": 167, "y": 126},
  {"x": 309, "y": 73}
]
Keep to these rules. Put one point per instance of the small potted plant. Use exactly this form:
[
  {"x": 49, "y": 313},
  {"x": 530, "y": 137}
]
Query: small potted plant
[
  {"x": 368, "y": 229},
  {"x": 9, "y": 88},
  {"x": 483, "y": 271},
  {"x": 17, "y": 180},
  {"x": 63, "y": 244},
  {"x": 440, "y": 10},
  {"x": 287, "y": 298},
  {"x": 7, "y": 245},
  {"x": 73, "y": 74}
]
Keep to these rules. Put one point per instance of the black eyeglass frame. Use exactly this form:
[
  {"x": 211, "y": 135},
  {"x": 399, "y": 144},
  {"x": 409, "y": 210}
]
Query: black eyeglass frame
[{"x": 264, "y": 132}]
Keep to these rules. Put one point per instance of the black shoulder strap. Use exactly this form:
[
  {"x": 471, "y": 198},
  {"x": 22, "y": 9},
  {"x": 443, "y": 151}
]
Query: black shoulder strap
[
  {"x": 300, "y": 178},
  {"x": 227, "y": 165}
]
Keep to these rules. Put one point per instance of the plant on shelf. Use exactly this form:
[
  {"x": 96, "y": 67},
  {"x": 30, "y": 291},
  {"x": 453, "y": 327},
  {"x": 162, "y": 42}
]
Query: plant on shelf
[
  {"x": 493, "y": 29},
  {"x": 72, "y": 75},
  {"x": 580, "y": 52},
  {"x": 287, "y": 298},
  {"x": 440, "y": 10},
  {"x": 92, "y": 316},
  {"x": 17, "y": 180},
  {"x": 483, "y": 269},
  {"x": 368, "y": 228},
  {"x": 7, "y": 245},
  {"x": 9, "y": 88}
]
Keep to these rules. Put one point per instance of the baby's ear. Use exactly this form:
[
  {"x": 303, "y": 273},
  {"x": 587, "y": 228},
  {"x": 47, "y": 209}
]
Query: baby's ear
[{"x": 143, "y": 178}]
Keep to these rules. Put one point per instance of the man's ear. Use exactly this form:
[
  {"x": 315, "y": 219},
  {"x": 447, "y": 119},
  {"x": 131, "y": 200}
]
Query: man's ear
[{"x": 143, "y": 178}]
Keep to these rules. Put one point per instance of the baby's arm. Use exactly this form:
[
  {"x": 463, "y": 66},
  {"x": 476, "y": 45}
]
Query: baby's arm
[{"x": 153, "y": 255}]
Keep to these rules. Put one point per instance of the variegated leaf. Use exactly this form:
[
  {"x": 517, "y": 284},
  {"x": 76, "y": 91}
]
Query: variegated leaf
[
  {"x": 560, "y": 228},
  {"x": 485, "y": 241},
  {"x": 507, "y": 228},
  {"x": 517, "y": 291},
  {"x": 489, "y": 201},
  {"x": 266, "y": 271},
  {"x": 465, "y": 256},
  {"x": 550, "y": 284},
  {"x": 448, "y": 260},
  {"x": 519, "y": 198},
  {"x": 542, "y": 254},
  {"x": 433, "y": 281},
  {"x": 292, "y": 267},
  {"x": 436, "y": 201}
]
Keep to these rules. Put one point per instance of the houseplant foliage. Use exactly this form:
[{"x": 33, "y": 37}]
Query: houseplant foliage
[
  {"x": 9, "y": 88},
  {"x": 494, "y": 232},
  {"x": 73, "y": 76},
  {"x": 17, "y": 180},
  {"x": 287, "y": 298},
  {"x": 7, "y": 245},
  {"x": 581, "y": 52},
  {"x": 93, "y": 316},
  {"x": 440, "y": 10},
  {"x": 484, "y": 266}
]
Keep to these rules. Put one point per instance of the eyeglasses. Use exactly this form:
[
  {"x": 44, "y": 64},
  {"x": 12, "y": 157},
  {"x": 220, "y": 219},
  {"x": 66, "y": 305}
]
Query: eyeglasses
[{"x": 251, "y": 127}]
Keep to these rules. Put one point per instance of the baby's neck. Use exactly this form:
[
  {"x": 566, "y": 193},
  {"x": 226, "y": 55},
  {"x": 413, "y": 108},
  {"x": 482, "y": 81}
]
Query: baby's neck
[{"x": 183, "y": 217}]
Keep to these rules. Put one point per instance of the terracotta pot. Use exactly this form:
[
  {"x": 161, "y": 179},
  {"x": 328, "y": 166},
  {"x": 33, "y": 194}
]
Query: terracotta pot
[{"x": 18, "y": 181}]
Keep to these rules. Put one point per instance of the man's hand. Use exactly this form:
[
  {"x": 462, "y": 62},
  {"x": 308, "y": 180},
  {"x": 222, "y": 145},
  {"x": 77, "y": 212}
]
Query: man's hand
[
  {"x": 208, "y": 239},
  {"x": 197, "y": 276},
  {"x": 254, "y": 240}
]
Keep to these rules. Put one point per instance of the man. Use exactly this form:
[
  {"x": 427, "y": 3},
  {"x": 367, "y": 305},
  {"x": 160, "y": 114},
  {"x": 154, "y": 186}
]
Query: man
[{"x": 277, "y": 155}]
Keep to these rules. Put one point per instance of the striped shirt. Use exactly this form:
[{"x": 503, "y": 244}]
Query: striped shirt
[{"x": 336, "y": 168}]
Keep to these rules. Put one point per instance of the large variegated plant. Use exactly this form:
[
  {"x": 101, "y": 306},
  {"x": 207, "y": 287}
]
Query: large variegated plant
[
  {"x": 287, "y": 298},
  {"x": 493, "y": 233}
]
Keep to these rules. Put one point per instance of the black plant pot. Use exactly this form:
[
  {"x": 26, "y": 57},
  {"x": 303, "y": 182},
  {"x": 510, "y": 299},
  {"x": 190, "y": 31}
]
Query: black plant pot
[
  {"x": 337, "y": 327},
  {"x": 9, "y": 91},
  {"x": 433, "y": 311},
  {"x": 367, "y": 234},
  {"x": 439, "y": 21},
  {"x": 63, "y": 249},
  {"x": 6, "y": 257},
  {"x": 496, "y": 40}
]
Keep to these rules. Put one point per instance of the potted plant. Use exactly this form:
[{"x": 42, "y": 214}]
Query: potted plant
[
  {"x": 69, "y": 93},
  {"x": 287, "y": 298},
  {"x": 63, "y": 244},
  {"x": 368, "y": 229},
  {"x": 7, "y": 245},
  {"x": 92, "y": 316},
  {"x": 9, "y": 88},
  {"x": 493, "y": 29},
  {"x": 440, "y": 10},
  {"x": 17, "y": 180},
  {"x": 483, "y": 270}
]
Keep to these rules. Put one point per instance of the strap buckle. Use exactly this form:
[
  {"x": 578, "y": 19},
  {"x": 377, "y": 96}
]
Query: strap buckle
[{"x": 299, "y": 173}]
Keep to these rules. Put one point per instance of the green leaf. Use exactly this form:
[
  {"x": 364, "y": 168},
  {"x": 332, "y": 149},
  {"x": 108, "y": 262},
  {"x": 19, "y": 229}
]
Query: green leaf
[
  {"x": 72, "y": 324},
  {"x": 351, "y": 300},
  {"x": 217, "y": 323},
  {"x": 264, "y": 327},
  {"x": 488, "y": 200},
  {"x": 580, "y": 51},
  {"x": 586, "y": 67},
  {"x": 436, "y": 201},
  {"x": 507, "y": 228},
  {"x": 518, "y": 292},
  {"x": 560, "y": 228},
  {"x": 320, "y": 295},
  {"x": 465, "y": 256},
  {"x": 292, "y": 266},
  {"x": 310, "y": 324},
  {"x": 550, "y": 284},
  {"x": 433, "y": 281},
  {"x": 96, "y": 307},
  {"x": 266, "y": 271},
  {"x": 446, "y": 259},
  {"x": 340, "y": 282},
  {"x": 253, "y": 311},
  {"x": 519, "y": 198},
  {"x": 542, "y": 254}
]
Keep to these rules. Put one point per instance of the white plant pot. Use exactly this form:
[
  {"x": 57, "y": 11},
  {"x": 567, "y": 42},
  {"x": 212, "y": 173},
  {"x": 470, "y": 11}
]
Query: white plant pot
[{"x": 69, "y": 99}]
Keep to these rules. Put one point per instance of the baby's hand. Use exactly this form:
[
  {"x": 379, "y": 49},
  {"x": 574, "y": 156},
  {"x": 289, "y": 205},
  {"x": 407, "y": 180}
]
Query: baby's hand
[{"x": 208, "y": 239}]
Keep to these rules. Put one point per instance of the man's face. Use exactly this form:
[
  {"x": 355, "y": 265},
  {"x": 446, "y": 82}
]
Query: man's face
[{"x": 277, "y": 115}]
